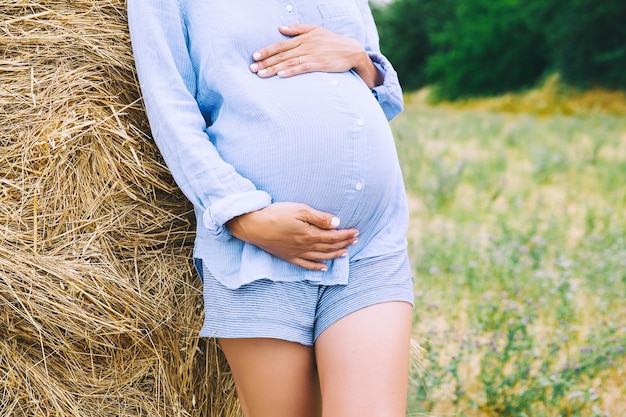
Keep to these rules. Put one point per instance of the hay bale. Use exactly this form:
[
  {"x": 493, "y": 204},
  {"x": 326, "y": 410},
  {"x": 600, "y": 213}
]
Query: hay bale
[{"x": 99, "y": 305}]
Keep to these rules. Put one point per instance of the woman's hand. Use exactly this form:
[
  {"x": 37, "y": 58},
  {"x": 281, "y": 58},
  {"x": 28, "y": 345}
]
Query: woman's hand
[
  {"x": 295, "y": 233},
  {"x": 314, "y": 48}
]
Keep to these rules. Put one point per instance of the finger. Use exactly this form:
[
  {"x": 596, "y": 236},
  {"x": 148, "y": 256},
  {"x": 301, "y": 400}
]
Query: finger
[
  {"x": 319, "y": 218},
  {"x": 297, "y": 67},
  {"x": 335, "y": 238},
  {"x": 278, "y": 64},
  {"x": 308, "y": 264},
  {"x": 285, "y": 58},
  {"x": 287, "y": 68},
  {"x": 331, "y": 247},
  {"x": 271, "y": 51},
  {"x": 296, "y": 29},
  {"x": 331, "y": 237},
  {"x": 324, "y": 256}
]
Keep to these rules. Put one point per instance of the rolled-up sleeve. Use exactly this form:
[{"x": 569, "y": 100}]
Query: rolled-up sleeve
[
  {"x": 168, "y": 84},
  {"x": 389, "y": 94}
]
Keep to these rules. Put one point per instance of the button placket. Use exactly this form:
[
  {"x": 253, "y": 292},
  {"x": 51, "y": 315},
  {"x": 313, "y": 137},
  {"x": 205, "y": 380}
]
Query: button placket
[
  {"x": 289, "y": 12},
  {"x": 358, "y": 186}
]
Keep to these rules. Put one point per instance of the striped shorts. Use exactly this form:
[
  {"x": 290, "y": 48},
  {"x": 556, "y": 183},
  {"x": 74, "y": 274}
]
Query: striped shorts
[{"x": 300, "y": 311}]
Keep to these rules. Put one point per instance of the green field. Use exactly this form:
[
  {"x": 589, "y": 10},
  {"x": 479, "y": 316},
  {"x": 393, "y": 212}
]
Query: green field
[{"x": 518, "y": 240}]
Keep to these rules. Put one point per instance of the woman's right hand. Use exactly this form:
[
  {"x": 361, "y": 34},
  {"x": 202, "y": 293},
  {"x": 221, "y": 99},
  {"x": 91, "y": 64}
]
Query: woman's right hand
[{"x": 295, "y": 233}]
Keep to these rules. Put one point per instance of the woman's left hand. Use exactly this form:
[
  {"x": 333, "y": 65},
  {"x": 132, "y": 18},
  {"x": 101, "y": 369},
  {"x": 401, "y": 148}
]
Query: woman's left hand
[{"x": 314, "y": 48}]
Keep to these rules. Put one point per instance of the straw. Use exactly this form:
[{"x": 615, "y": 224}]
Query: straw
[{"x": 99, "y": 305}]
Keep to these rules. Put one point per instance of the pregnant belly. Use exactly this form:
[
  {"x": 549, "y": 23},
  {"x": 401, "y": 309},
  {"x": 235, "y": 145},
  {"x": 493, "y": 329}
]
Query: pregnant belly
[
  {"x": 339, "y": 151},
  {"x": 322, "y": 164}
]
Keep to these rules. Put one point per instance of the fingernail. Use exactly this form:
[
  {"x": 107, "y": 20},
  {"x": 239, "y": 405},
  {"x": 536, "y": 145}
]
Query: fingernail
[
  {"x": 334, "y": 222},
  {"x": 254, "y": 67},
  {"x": 343, "y": 255},
  {"x": 281, "y": 73},
  {"x": 256, "y": 55},
  {"x": 356, "y": 234},
  {"x": 284, "y": 27},
  {"x": 261, "y": 72},
  {"x": 325, "y": 269}
]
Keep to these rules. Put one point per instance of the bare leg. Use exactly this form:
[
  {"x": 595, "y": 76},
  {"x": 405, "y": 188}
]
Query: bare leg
[
  {"x": 363, "y": 362},
  {"x": 274, "y": 378}
]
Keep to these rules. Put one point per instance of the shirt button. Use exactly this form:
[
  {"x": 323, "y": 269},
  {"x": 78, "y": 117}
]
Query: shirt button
[
  {"x": 289, "y": 8},
  {"x": 360, "y": 122},
  {"x": 358, "y": 186}
]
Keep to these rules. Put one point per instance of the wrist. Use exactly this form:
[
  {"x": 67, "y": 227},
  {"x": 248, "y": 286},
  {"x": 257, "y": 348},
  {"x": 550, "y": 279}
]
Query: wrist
[
  {"x": 368, "y": 72},
  {"x": 235, "y": 227},
  {"x": 248, "y": 226}
]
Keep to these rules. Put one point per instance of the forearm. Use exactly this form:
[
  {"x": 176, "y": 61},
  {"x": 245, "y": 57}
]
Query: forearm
[{"x": 168, "y": 83}]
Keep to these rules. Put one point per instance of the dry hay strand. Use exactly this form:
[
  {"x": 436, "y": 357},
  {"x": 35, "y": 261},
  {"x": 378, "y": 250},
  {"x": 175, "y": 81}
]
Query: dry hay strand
[{"x": 99, "y": 305}]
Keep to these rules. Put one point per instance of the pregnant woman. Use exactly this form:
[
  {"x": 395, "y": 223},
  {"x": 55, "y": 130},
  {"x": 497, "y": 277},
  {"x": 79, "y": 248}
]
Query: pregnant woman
[{"x": 272, "y": 116}]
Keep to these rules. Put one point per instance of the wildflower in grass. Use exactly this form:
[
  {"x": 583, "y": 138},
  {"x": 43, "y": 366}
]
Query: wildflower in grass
[{"x": 575, "y": 394}]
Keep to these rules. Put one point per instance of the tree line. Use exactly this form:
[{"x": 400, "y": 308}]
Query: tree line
[{"x": 482, "y": 47}]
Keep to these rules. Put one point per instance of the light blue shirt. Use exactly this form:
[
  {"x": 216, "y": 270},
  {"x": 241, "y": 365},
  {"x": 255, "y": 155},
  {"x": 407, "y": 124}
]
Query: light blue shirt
[{"x": 236, "y": 142}]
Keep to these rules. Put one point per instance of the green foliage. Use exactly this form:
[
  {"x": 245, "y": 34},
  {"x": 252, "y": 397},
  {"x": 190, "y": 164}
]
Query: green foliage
[
  {"x": 485, "y": 47},
  {"x": 587, "y": 40},
  {"x": 404, "y": 39}
]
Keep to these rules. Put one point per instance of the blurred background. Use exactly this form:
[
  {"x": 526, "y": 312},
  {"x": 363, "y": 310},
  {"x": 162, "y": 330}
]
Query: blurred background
[
  {"x": 481, "y": 47},
  {"x": 513, "y": 148}
]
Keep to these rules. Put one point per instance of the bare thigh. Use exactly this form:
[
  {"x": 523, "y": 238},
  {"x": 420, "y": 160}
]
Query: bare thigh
[
  {"x": 363, "y": 362},
  {"x": 274, "y": 378}
]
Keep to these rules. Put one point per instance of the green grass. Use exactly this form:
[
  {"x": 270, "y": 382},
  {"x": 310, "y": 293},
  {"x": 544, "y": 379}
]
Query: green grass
[{"x": 518, "y": 240}]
